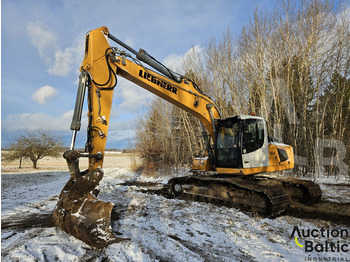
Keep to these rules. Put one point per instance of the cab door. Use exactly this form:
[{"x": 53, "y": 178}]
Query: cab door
[{"x": 255, "y": 152}]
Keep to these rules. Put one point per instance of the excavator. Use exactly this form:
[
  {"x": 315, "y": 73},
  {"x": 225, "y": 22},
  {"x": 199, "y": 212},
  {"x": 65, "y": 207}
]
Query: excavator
[{"x": 233, "y": 173}]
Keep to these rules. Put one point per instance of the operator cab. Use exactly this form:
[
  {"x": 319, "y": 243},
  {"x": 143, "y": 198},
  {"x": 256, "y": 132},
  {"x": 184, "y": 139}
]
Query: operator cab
[{"x": 241, "y": 142}]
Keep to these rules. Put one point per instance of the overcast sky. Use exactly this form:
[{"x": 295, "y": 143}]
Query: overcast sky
[{"x": 42, "y": 46}]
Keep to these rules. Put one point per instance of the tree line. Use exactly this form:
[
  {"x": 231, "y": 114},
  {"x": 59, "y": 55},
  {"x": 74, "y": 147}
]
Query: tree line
[{"x": 290, "y": 66}]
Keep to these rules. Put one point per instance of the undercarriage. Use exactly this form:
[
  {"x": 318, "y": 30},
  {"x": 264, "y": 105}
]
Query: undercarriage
[{"x": 267, "y": 196}]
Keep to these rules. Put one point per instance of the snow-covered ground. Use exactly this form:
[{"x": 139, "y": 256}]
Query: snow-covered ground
[{"x": 159, "y": 229}]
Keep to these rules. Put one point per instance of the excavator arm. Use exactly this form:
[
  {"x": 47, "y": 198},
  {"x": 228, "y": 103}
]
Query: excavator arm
[{"x": 78, "y": 211}]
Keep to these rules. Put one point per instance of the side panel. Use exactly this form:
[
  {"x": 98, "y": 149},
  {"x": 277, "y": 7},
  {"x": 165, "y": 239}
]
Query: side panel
[
  {"x": 201, "y": 163},
  {"x": 281, "y": 156}
]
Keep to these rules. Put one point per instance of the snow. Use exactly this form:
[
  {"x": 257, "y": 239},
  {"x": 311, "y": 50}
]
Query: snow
[
  {"x": 29, "y": 193},
  {"x": 159, "y": 229}
]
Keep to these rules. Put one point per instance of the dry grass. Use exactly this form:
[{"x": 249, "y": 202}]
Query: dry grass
[
  {"x": 136, "y": 164},
  {"x": 112, "y": 159}
]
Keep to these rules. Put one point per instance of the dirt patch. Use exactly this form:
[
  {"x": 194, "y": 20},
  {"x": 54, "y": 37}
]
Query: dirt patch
[
  {"x": 43, "y": 220},
  {"x": 139, "y": 183},
  {"x": 27, "y": 222},
  {"x": 338, "y": 213},
  {"x": 340, "y": 184}
]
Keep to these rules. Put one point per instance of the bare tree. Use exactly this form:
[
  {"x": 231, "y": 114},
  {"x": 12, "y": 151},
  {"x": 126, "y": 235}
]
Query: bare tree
[
  {"x": 34, "y": 145},
  {"x": 15, "y": 152}
]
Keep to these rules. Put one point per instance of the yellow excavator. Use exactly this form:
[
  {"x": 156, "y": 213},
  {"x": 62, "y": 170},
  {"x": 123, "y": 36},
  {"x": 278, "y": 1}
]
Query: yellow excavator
[{"x": 239, "y": 151}]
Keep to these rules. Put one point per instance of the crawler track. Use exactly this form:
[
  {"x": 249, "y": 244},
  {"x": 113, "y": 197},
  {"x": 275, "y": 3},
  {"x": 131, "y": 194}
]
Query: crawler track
[
  {"x": 241, "y": 193},
  {"x": 262, "y": 194},
  {"x": 302, "y": 191},
  {"x": 310, "y": 192}
]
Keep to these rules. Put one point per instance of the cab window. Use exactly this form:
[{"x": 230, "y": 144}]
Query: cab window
[{"x": 252, "y": 135}]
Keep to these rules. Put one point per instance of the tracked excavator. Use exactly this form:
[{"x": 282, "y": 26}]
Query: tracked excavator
[{"x": 239, "y": 152}]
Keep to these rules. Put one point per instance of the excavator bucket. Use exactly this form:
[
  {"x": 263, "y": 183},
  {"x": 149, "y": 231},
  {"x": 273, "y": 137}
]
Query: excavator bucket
[{"x": 81, "y": 214}]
